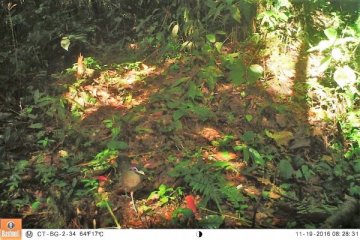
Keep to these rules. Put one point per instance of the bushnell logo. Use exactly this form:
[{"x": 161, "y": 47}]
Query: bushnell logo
[{"x": 10, "y": 229}]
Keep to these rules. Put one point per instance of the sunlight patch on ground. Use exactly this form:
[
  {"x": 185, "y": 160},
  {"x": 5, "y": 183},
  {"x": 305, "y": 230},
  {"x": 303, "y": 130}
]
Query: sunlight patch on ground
[
  {"x": 282, "y": 67},
  {"x": 113, "y": 87}
]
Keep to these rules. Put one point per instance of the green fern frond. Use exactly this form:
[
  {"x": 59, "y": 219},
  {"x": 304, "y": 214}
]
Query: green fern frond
[{"x": 209, "y": 181}]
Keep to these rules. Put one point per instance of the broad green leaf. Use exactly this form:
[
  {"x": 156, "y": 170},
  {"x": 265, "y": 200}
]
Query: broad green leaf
[
  {"x": 102, "y": 204},
  {"x": 257, "y": 156},
  {"x": 330, "y": 33},
  {"x": 306, "y": 172},
  {"x": 237, "y": 73},
  {"x": 235, "y": 13},
  {"x": 246, "y": 154},
  {"x": 211, "y": 221},
  {"x": 108, "y": 123},
  {"x": 182, "y": 214},
  {"x": 228, "y": 60},
  {"x": 211, "y": 38},
  {"x": 218, "y": 46},
  {"x": 162, "y": 189},
  {"x": 36, "y": 125},
  {"x": 344, "y": 76},
  {"x": 164, "y": 200},
  {"x": 187, "y": 45},
  {"x": 254, "y": 73},
  {"x": 65, "y": 43},
  {"x": 256, "y": 68},
  {"x": 240, "y": 147},
  {"x": 325, "y": 63},
  {"x": 175, "y": 31},
  {"x": 35, "y": 205},
  {"x": 248, "y": 117},
  {"x": 283, "y": 16},
  {"x": 285, "y": 169}
]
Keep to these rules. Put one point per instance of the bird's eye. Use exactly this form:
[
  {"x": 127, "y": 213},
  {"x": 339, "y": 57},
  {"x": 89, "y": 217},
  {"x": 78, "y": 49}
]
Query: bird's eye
[{"x": 134, "y": 169}]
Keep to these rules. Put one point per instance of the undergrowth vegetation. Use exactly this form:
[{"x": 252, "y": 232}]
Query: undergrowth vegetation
[{"x": 240, "y": 113}]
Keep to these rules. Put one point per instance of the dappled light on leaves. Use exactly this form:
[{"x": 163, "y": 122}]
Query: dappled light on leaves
[{"x": 227, "y": 114}]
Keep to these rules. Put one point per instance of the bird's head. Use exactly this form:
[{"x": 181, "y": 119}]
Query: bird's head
[{"x": 135, "y": 169}]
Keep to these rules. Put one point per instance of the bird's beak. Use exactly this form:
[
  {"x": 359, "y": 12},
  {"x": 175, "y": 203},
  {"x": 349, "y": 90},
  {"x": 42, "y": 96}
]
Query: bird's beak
[{"x": 140, "y": 172}]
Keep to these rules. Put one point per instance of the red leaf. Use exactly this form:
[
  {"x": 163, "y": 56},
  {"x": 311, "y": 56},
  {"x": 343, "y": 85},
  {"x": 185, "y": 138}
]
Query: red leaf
[
  {"x": 190, "y": 203},
  {"x": 102, "y": 178}
]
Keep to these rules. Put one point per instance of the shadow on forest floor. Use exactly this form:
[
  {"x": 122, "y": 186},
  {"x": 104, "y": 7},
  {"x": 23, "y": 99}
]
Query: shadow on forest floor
[{"x": 141, "y": 110}]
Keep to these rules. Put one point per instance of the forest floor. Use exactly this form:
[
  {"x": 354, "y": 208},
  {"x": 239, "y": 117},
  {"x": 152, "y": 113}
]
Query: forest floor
[{"x": 284, "y": 178}]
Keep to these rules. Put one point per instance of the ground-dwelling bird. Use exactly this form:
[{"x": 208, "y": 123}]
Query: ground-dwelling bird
[{"x": 130, "y": 179}]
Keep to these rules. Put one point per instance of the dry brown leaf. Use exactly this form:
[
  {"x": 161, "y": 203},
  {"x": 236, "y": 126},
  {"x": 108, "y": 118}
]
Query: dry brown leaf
[
  {"x": 281, "y": 138},
  {"x": 210, "y": 134},
  {"x": 251, "y": 190},
  {"x": 274, "y": 195}
]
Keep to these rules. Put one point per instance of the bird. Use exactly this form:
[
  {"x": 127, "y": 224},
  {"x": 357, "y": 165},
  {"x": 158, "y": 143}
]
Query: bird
[{"x": 130, "y": 179}]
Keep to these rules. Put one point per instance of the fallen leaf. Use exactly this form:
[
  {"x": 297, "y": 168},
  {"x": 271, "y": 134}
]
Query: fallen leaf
[
  {"x": 251, "y": 190},
  {"x": 190, "y": 203},
  {"x": 281, "y": 138},
  {"x": 63, "y": 154},
  {"x": 281, "y": 119},
  {"x": 168, "y": 215},
  {"x": 210, "y": 134},
  {"x": 300, "y": 143},
  {"x": 328, "y": 159},
  {"x": 274, "y": 193},
  {"x": 101, "y": 190},
  {"x": 261, "y": 216},
  {"x": 225, "y": 156}
]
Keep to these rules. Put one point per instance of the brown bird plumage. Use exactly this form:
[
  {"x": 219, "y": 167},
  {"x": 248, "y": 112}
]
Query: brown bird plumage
[{"x": 130, "y": 179}]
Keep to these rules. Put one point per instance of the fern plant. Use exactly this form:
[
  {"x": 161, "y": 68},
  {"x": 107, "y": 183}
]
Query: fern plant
[{"x": 209, "y": 181}]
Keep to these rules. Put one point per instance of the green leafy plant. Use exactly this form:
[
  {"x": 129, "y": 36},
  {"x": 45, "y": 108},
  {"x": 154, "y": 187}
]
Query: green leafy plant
[
  {"x": 15, "y": 178},
  {"x": 337, "y": 51},
  {"x": 165, "y": 194},
  {"x": 212, "y": 221},
  {"x": 275, "y": 16},
  {"x": 182, "y": 216},
  {"x": 211, "y": 74},
  {"x": 114, "y": 125},
  {"x": 208, "y": 180},
  {"x": 339, "y": 64},
  {"x": 103, "y": 202},
  {"x": 249, "y": 152},
  {"x": 101, "y": 162},
  {"x": 224, "y": 142},
  {"x": 240, "y": 73}
]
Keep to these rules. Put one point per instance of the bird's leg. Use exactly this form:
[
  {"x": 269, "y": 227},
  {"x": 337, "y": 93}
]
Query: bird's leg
[
  {"x": 133, "y": 202},
  {"x": 126, "y": 194}
]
